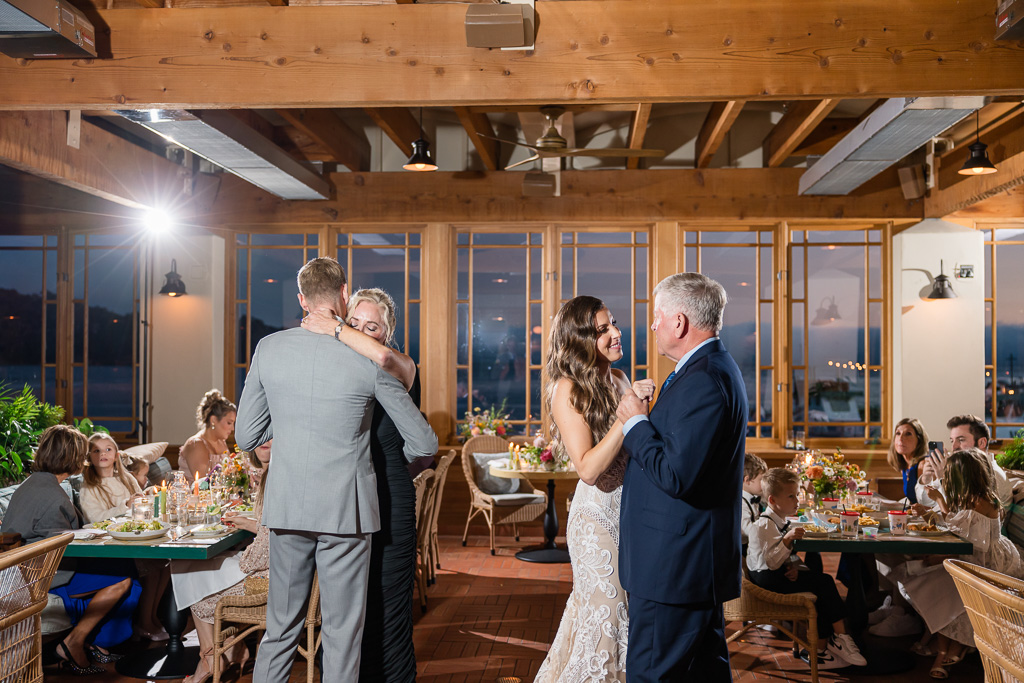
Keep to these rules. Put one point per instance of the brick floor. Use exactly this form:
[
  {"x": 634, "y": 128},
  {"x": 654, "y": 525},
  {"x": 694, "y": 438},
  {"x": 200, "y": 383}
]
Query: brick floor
[{"x": 490, "y": 617}]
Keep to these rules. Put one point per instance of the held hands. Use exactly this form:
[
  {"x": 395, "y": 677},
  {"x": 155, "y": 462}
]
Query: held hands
[
  {"x": 644, "y": 389},
  {"x": 320, "y": 322},
  {"x": 231, "y": 518},
  {"x": 630, "y": 406}
]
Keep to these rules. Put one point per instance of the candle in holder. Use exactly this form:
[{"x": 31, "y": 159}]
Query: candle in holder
[
  {"x": 195, "y": 490},
  {"x": 163, "y": 497}
]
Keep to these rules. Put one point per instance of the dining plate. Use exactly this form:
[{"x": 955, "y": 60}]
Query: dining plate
[
  {"x": 816, "y": 534},
  {"x": 927, "y": 534},
  {"x": 209, "y": 531},
  {"x": 138, "y": 535}
]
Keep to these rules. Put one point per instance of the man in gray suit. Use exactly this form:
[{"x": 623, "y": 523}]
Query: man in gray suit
[{"x": 314, "y": 396}]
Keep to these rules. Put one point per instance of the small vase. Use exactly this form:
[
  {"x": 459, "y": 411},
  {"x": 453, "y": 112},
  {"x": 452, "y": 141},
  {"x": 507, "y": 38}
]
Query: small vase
[{"x": 549, "y": 465}]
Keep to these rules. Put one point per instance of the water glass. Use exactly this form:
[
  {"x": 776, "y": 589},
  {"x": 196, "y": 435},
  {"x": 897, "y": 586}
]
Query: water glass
[{"x": 142, "y": 510}]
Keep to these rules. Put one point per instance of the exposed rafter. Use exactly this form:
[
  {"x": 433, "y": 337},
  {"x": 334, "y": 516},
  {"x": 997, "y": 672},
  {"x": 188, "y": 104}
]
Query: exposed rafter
[
  {"x": 587, "y": 51},
  {"x": 477, "y": 126},
  {"x": 717, "y": 123},
  {"x": 341, "y": 143},
  {"x": 399, "y": 124},
  {"x": 795, "y": 125},
  {"x": 637, "y": 131}
]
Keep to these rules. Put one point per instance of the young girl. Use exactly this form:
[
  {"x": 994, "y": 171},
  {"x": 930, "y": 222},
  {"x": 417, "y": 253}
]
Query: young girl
[
  {"x": 138, "y": 468},
  {"x": 107, "y": 487},
  {"x": 971, "y": 509}
]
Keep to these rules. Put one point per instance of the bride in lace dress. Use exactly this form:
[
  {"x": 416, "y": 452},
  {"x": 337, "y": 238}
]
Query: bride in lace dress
[{"x": 583, "y": 391}]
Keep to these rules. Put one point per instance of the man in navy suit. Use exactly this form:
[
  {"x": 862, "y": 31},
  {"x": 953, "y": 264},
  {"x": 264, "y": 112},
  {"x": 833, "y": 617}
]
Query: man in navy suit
[{"x": 679, "y": 548}]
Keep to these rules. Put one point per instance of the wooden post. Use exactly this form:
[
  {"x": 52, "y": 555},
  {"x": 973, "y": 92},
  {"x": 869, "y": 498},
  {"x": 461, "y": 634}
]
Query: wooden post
[{"x": 437, "y": 328}]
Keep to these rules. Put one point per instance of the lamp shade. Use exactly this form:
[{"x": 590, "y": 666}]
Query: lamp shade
[
  {"x": 824, "y": 315},
  {"x": 174, "y": 286},
  {"x": 978, "y": 163},
  {"x": 942, "y": 288},
  {"x": 420, "y": 159}
]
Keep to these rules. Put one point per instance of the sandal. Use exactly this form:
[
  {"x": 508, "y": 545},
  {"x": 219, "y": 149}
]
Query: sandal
[
  {"x": 204, "y": 659},
  {"x": 68, "y": 662},
  {"x": 101, "y": 656},
  {"x": 939, "y": 671}
]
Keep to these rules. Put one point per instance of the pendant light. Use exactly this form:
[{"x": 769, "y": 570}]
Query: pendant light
[
  {"x": 420, "y": 159},
  {"x": 174, "y": 286},
  {"x": 978, "y": 163},
  {"x": 942, "y": 288},
  {"x": 824, "y": 316}
]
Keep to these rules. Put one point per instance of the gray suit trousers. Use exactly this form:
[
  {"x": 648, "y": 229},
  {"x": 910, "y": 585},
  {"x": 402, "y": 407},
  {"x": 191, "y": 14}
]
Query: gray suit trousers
[{"x": 343, "y": 562}]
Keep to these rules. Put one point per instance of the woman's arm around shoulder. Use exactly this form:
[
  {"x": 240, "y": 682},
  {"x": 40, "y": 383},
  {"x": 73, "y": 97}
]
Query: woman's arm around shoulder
[
  {"x": 590, "y": 459},
  {"x": 395, "y": 363}
]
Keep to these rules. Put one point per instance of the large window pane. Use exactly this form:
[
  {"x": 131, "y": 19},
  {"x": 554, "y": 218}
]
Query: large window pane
[
  {"x": 21, "y": 320},
  {"x": 1009, "y": 342}
]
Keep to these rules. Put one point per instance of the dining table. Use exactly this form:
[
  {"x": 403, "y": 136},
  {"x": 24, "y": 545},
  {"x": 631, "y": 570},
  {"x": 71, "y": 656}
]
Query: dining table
[
  {"x": 548, "y": 552},
  {"x": 173, "y": 660},
  {"x": 882, "y": 659}
]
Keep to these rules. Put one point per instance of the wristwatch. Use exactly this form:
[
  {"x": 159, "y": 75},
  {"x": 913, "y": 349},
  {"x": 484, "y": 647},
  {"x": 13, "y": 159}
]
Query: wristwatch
[{"x": 337, "y": 332}]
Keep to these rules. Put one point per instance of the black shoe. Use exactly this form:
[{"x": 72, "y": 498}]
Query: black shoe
[
  {"x": 68, "y": 663},
  {"x": 101, "y": 656}
]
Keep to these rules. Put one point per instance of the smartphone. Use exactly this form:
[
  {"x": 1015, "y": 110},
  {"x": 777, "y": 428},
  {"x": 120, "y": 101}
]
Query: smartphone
[{"x": 935, "y": 446}]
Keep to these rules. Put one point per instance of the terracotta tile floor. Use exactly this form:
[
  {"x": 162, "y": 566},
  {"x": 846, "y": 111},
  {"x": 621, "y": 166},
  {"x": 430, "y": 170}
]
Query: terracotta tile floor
[{"x": 489, "y": 617}]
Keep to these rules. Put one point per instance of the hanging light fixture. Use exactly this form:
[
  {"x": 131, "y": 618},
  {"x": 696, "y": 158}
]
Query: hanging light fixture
[
  {"x": 420, "y": 159},
  {"x": 978, "y": 163},
  {"x": 942, "y": 288},
  {"x": 824, "y": 316},
  {"x": 174, "y": 286}
]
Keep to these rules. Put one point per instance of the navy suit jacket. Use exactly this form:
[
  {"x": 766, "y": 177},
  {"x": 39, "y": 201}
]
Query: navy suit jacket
[{"x": 680, "y": 519}]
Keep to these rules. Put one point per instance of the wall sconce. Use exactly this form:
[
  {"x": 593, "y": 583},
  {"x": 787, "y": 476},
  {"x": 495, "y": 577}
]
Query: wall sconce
[
  {"x": 174, "y": 286},
  {"x": 942, "y": 288},
  {"x": 824, "y": 316}
]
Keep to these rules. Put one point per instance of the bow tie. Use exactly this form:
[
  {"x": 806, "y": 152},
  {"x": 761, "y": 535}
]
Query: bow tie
[
  {"x": 755, "y": 500},
  {"x": 668, "y": 380}
]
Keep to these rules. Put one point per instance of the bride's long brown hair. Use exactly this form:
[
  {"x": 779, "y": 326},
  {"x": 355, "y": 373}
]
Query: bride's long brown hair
[{"x": 573, "y": 356}]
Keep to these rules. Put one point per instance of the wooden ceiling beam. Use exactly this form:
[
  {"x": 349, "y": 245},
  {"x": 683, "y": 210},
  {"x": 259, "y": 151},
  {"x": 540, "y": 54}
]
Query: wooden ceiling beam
[
  {"x": 477, "y": 125},
  {"x": 399, "y": 124},
  {"x": 103, "y": 165},
  {"x": 341, "y": 143},
  {"x": 637, "y": 132},
  {"x": 150, "y": 3},
  {"x": 957, "y": 193},
  {"x": 719, "y": 120},
  {"x": 795, "y": 125},
  {"x": 587, "y": 51},
  {"x": 641, "y": 195}
]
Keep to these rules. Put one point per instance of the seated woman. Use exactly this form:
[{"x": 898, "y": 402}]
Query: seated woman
[
  {"x": 98, "y": 599},
  {"x": 387, "y": 652},
  {"x": 254, "y": 561},
  {"x": 215, "y": 417}
]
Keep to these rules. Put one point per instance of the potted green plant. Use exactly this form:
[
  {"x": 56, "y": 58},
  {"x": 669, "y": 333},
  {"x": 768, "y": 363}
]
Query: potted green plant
[
  {"x": 23, "y": 417},
  {"x": 1012, "y": 457}
]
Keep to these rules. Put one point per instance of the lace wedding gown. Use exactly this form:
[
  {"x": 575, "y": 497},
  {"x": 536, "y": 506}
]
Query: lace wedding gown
[{"x": 591, "y": 641}]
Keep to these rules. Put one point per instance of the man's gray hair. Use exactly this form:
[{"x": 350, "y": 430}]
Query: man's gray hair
[{"x": 696, "y": 296}]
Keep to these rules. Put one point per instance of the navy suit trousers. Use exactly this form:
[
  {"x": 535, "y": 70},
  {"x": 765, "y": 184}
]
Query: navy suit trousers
[{"x": 676, "y": 643}]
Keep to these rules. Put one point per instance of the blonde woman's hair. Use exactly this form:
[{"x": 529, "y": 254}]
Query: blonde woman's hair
[
  {"x": 573, "y": 356},
  {"x": 255, "y": 462},
  {"x": 384, "y": 303},
  {"x": 967, "y": 479},
  {"x": 894, "y": 459},
  {"x": 92, "y": 477},
  {"x": 213, "y": 404}
]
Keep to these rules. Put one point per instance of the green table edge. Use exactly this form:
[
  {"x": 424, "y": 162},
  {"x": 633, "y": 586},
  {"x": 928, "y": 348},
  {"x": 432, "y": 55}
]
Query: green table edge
[
  {"x": 177, "y": 552},
  {"x": 878, "y": 546}
]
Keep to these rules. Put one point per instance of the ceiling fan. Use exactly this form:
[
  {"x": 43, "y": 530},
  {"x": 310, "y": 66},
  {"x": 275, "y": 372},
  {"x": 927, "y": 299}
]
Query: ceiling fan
[{"x": 552, "y": 144}]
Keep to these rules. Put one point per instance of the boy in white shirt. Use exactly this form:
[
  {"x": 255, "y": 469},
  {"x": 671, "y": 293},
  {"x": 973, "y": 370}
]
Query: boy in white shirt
[
  {"x": 773, "y": 565},
  {"x": 750, "y": 507}
]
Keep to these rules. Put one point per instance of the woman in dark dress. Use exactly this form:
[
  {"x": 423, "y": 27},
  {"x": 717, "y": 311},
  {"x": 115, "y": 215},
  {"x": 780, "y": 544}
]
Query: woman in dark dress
[{"x": 387, "y": 652}]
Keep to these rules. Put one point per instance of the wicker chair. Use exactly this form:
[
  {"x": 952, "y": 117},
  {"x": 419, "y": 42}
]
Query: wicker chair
[
  {"x": 422, "y": 482},
  {"x": 25, "y": 576},
  {"x": 440, "y": 477},
  {"x": 995, "y": 606},
  {"x": 494, "y": 509},
  {"x": 237, "y": 616},
  {"x": 759, "y": 606}
]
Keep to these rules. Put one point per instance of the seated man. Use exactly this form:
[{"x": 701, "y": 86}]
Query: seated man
[{"x": 965, "y": 432}]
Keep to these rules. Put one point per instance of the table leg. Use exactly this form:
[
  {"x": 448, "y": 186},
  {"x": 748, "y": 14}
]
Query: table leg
[
  {"x": 549, "y": 553},
  {"x": 174, "y": 660}
]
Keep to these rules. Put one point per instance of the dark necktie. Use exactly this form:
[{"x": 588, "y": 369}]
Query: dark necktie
[{"x": 667, "y": 381}]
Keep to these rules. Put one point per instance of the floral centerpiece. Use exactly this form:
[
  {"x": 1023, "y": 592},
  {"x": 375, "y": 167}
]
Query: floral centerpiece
[
  {"x": 490, "y": 422},
  {"x": 829, "y": 475},
  {"x": 541, "y": 455},
  {"x": 231, "y": 474}
]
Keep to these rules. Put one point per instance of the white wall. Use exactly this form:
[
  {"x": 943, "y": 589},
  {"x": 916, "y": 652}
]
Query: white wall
[
  {"x": 938, "y": 345},
  {"x": 187, "y": 333}
]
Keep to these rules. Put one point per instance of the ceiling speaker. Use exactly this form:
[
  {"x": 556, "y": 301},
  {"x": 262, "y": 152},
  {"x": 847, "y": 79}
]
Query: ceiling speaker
[
  {"x": 497, "y": 25},
  {"x": 912, "y": 181},
  {"x": 539, "y": 185}
]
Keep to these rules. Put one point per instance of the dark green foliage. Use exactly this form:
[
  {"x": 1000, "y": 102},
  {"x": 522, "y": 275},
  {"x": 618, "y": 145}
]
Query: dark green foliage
[{"x": 23, "y": 417}]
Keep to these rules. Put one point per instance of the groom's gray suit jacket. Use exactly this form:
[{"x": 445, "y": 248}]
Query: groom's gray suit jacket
[{"x": 314, "y": 396}]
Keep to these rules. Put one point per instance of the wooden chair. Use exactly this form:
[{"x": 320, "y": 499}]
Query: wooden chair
[
  {"x": 440, "y": 477},
  {"x": 25, "y": 576},
  {"x": 421, "y": 483},
  {"x": 995, "y": 607},
  {"x": 237, "y": 616},
  {"x": 759, "y": 606},
  {"x": 496, "y": 508}
]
